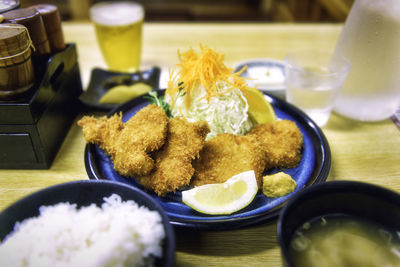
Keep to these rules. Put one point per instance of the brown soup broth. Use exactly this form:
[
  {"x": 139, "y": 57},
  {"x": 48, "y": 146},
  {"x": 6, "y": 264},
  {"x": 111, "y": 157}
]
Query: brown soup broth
[{"x": 340, "y": 240}]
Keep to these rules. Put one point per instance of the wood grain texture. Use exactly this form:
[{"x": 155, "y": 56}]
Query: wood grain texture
[{"x": 368, "y": 152}]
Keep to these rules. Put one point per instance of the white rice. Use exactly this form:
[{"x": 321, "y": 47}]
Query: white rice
[{"x": 120, "y": 233}]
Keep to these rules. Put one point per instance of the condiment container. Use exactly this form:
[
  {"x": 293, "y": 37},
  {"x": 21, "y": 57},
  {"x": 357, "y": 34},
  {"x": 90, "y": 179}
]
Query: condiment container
[
  {"x": 16, "y": 68},
  {"x": 31, "y": 19},
  {"x": 52, "y": 23},
  {"x": 370, "y": 39}
]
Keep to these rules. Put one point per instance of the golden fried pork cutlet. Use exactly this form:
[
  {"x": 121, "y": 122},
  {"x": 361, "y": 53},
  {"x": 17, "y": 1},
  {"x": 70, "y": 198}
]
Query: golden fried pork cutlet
[
  {"x": 143, "y": 133},
  {"x": 226, "y": 155},
  {"x": 130, "y": 143},
  {"x": 283, "y": 142},
  {"x": 173, "y": 162},
  {"x": 104, "y": 131}
]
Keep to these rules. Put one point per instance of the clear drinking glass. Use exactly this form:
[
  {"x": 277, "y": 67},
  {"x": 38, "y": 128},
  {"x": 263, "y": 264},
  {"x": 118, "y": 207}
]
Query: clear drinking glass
[
  {"x": 118, "y": 27},
  {"x": 313, "y": 80}
]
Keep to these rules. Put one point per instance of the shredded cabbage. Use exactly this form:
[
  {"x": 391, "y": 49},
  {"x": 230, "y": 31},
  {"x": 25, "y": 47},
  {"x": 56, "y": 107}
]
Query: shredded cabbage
[{"x": 225, "y": 113}]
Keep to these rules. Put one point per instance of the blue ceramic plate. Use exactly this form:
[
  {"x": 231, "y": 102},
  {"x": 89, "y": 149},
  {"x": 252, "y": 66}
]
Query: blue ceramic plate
[{"x": 313, "y": 168}]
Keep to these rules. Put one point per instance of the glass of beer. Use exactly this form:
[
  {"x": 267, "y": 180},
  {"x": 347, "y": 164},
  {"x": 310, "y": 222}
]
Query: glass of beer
[{"x": 118, "y": 27}]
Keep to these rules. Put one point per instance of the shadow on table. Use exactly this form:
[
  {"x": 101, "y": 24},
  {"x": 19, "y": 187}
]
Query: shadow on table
[
  {"x": 338, "y": 122},
  {"x": 227, "y": 243}
]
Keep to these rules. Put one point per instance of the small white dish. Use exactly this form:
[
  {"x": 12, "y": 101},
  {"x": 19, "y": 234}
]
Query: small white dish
[{"x": 266, "y": 74}]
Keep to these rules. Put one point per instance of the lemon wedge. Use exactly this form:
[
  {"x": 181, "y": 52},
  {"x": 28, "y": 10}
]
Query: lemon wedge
[
  {"x": 121, "y": 93},
  {"x": 224, "y": 198},
  {"x": 259, "y": 108}
]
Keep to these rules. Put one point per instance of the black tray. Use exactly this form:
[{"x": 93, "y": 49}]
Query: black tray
[
  {"x": 33, "y": 128},
  {"x": 102, "y": 80}
]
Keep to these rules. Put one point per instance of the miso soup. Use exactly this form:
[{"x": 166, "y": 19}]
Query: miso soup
[{"x": 346, "y": 242}]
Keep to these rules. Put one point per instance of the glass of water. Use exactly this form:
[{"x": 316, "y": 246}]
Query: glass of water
[{"x": 313, "y": 80}]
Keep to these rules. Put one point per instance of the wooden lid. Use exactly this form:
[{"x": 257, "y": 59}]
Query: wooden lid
[
  {"x": 21, "y": 15},
  {"x": 14, "y": 39},
  {"x": 46, "y": 9},
  {"x": 8, "y": 5},
  {"x": 50, "y": 15},
  {"x": 31, "y": 19}
]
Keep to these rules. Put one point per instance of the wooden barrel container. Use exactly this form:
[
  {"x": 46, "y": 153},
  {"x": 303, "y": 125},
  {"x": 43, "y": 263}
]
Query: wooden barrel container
[
  {"x": 52, "y": 23},
  {"x": 32, "y": 20},
  {"x": 16, "y": 68}
]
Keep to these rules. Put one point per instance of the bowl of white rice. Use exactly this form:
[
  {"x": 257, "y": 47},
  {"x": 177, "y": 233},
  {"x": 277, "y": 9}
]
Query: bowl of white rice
[{"x": 86, "y": 223}]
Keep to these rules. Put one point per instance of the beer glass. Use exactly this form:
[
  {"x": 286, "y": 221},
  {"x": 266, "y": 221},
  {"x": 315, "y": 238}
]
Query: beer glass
[{"x": 118, "y": 27}]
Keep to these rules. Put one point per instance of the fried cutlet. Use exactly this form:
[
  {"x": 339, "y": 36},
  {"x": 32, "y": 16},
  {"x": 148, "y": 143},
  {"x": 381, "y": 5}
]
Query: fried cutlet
[
  {"x": 226, "y": 155},
  {"x": 283, "y": 142},
  {"x": 173, "y": 162},
  {"x": 130, "y": 143},
  {"x": 103, "y": 131}
]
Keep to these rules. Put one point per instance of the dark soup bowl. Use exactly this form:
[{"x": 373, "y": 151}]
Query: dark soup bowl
[
  {"x": 84, "y": 193},
  {"x": 341, "y": 223}
]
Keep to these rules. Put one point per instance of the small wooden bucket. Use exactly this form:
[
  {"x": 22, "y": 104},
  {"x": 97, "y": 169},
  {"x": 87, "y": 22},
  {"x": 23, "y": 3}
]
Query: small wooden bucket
[
  {"x": 52, "y": 23},
  {"x": 16, "y": 68},
  {"x": 32, "y": 20}
]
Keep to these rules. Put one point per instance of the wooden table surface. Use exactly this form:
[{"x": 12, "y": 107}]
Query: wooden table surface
[{"x": 368, "y": 152}]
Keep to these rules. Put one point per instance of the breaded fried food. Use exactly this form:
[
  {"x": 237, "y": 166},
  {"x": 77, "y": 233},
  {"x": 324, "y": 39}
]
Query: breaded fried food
[
  {"x": 283, "y": 142},
  {"x": 226, "y": 155},
  {"x": 173, "y": 162},
  {"x": 130, "y": 143},
  {"x": 142, "y": 134},
  {"x": 103, "y": 131}
]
